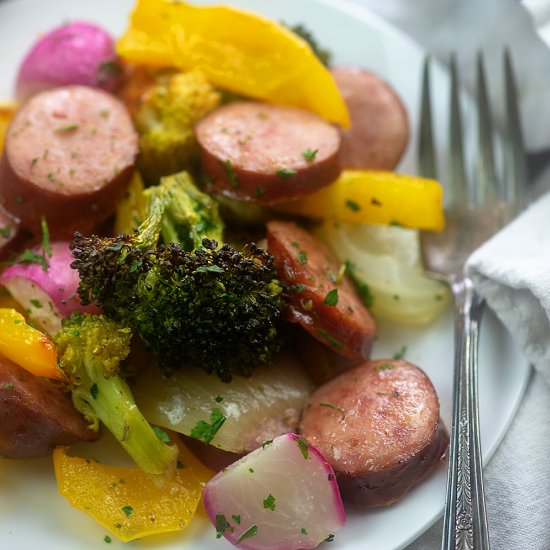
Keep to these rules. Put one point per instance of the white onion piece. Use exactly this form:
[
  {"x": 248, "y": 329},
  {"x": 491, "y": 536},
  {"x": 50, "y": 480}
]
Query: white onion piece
[
  {"x": 388, "y": 260},
  {"x": 282, "y": 496},
  {"x": 257, "y": 408}
]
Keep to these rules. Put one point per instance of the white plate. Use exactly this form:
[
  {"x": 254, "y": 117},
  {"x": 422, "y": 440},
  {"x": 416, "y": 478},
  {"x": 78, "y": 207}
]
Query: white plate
[{"x": 32, "y": 515}]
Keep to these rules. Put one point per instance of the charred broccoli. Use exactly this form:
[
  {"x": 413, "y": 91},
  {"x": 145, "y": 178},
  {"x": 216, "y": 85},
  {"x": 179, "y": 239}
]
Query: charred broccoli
[
  {"x": 165, "y": 119},
  {"x": 324, "y": 55},
  {"x": 214, "y": 308},
  {"x": 90, "y": 349},
  {"x": 190, "y": 215}
]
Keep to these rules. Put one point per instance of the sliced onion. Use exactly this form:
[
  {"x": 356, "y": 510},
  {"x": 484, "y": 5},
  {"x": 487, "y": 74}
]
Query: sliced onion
[
  {"x": 387, "y": 259},
  {"x": 256, "y": 409}
]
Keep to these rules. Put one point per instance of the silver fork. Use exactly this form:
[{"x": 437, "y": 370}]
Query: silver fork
[{"x": 473, "y": 214}]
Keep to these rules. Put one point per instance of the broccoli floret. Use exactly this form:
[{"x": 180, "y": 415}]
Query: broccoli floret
[
  {"x": 90, "y": 349},
  {"x": 190, "y": 216},
  {"x": 214, "y": 308},
  {"x": 324, "y": 55},
  {"x": 165, "y": 120}
]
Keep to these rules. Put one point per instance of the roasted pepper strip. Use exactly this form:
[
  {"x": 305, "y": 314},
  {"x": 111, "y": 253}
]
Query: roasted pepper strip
[
  {"x": 125, "y": 500},
  {"x": 6, "y": 113},
  {"x": 27, "y": 347},
  {"x": 236, "y": 50},
  {"x": 363, "y": 196}
]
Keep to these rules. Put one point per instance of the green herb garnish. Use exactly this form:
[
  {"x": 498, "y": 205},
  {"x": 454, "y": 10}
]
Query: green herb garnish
[
  {"x": 206, "y": 431},
  {"x": 331, "y": 299}
]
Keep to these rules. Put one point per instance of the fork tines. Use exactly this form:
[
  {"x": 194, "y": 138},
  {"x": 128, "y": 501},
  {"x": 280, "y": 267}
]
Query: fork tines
[{"x": 490, "y": 186}]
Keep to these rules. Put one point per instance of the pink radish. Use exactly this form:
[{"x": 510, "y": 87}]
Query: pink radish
[
  {"x": 282, "y": 496},
  {"x": 75, "y": 53},
  {"x": 46, "y": 288}
]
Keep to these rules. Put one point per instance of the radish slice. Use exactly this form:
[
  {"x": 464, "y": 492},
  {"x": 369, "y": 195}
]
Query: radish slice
[
  {"x": 49, "y": 294},
  {"x": 75, "y": 53},
  {"x": 282, "y": 496}
]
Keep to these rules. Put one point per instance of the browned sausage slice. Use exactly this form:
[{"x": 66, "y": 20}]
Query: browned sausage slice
[
  {"x": 378, "y": 425},
  {"x": 68, "y": 156},
  {"x": 321, "y": 298},
  {"x": 267, "y": 153},
  {"x": 35, "y": 415},
  {"x": 379, "y": 129}
]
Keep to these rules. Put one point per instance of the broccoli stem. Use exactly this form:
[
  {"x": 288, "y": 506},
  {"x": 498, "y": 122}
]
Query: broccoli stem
[{"x": 112, "y": 402}]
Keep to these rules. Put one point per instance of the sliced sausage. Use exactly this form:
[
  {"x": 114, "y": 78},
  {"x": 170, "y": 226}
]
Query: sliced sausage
[
  {"x": 321, "y": 298},
  {"x": 320, "y": 362},
  {"x": 267, "y": 153},
  {"x": 379, "y": 129},
  {"x": 69, "y": 155},
  {"x": 35, "y": 415},
  {"x": 378, "y": 425}
]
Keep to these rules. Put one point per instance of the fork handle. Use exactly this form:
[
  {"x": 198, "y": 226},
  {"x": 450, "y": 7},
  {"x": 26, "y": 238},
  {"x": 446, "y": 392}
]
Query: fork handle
[{"x": 465, "y": 518}]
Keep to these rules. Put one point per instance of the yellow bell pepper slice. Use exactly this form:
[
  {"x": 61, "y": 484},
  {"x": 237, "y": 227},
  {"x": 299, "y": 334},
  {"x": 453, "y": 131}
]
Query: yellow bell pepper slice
[
  {"x": 373, "y": 197},
  {"x": 125, "y": 500},
  {"x": 27, "y": 347},
  {"x": 6, "y": 114},
  {"x": 236, "y": 50}
]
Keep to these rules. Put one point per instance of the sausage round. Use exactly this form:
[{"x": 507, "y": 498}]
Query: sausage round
[
  {"x": 320, "y": 298},
  {"x": 379, "y": 129},
  {"x": 35, "y": 415},
  {"x": 267, "y": 153},
  {"x": 69, "y": 155},
  {"x": 378, "y": 425}
]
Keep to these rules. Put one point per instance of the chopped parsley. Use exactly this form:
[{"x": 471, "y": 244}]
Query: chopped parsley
[
  {"x": 269, "y": 503},
  {"x": 297, "y": 288},
  {"x": 362, "y": 288},
  {"x": 330, "y": 538},
  {"x": 308, "y": 154},
  {"x": 128, "y": 510},
  {"x": 375, "y": 202},
  {"x": 303, "y": 445},
  {"x": 67, "y": 128},
  {"x": 46, "y": 246},
  {"x": 222, "y": 525},
  {"x": 36, "y": 303},
  {"x": 333, "y": 407},
  {"x": 331, "y": 299},
  {"x": 5, "y": 231},
  {"x": 401, "y": 353},
  {"x": 303, "y": 530},
  {"x": 248, "y": 534},
  {"x": 8, "y": 386},
  {"x": 218, "y": 399},
  {"x": 267, "y": 443},
  {"x": 302, "y": 257},
  {"x": 107, "y": 539},
  {"x": 236, "y": 519},
  {"x": 383, "y": 366},
  {"x": 352, "y": 205},
  {"x": 206, "y": 431},
  {"x": 285, "y": 173},
  {"x": 161, "y": 434},
  {"x": 329, "y": 338}
]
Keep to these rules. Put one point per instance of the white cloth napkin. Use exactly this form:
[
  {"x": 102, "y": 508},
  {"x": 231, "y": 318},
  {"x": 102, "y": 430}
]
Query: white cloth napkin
[{"x": 512, "y": 270}]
